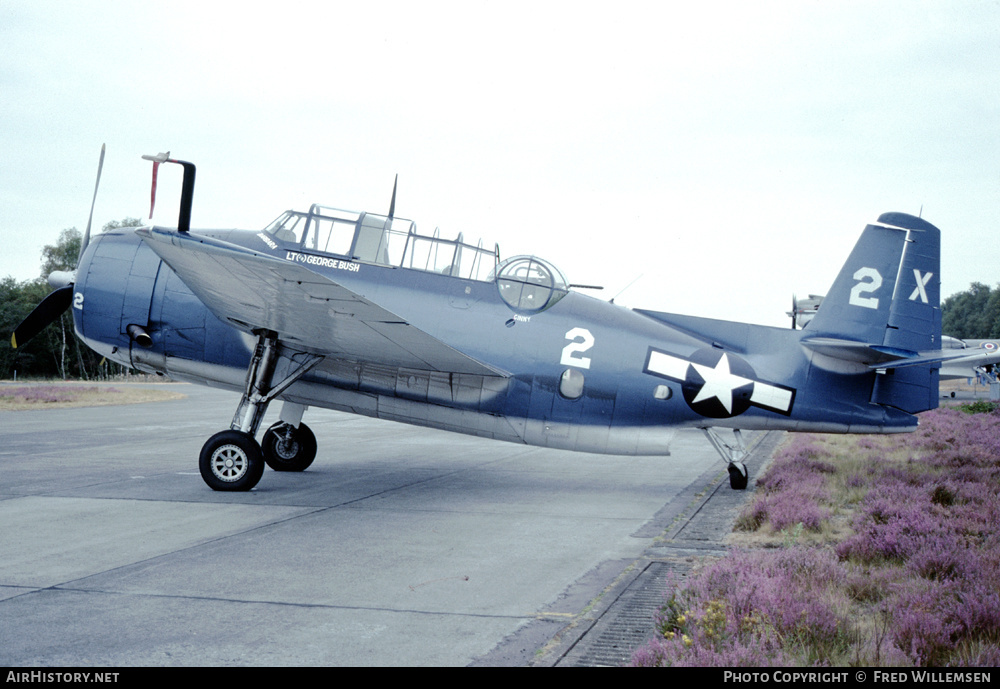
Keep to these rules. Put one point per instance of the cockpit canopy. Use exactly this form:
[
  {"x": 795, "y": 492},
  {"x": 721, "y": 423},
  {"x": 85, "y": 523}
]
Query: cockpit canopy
[
  {"x": 372, "y": 238},
  {"x": 526, "y": 283}
]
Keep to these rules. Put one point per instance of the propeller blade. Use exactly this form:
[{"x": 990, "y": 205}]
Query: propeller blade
[
  {"x": 46, "y": 312},
  {"x": 86, "y": 235},
  {"x": 53, "y": 306}
]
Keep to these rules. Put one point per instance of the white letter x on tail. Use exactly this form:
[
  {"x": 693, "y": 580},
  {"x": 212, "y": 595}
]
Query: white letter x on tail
[{"x": 919, "y": 290}]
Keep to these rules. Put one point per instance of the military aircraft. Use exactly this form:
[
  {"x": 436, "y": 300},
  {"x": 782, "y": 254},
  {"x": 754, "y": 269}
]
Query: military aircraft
[
  {"x": 360, "y": 312},
  {"x": 979, "y": 360},
  {"x": 804, "y": 309}
]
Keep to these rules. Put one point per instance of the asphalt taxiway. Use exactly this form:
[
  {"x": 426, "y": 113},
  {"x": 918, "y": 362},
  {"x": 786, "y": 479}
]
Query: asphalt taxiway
[{"x": 399, "y": 546}]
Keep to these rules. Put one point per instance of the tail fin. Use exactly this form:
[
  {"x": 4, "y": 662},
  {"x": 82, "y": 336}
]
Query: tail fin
[
  {"x": 888, "y": 297},
  {"x": 888, "y": 292}
]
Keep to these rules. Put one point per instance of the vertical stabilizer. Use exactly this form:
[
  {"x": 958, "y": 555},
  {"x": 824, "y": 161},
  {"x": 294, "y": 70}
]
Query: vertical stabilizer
[
  {"x": 888, "y": 292},
  {"x": 888, "y": 295}
]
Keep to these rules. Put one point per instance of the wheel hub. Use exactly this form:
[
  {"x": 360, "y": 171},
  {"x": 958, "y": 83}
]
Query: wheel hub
[
  {"x": 229, "y": 463},
  {"x": 286, "y": 449}
]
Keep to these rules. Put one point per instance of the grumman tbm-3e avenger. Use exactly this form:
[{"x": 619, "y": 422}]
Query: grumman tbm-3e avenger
[{"x": 361, "y": 313}]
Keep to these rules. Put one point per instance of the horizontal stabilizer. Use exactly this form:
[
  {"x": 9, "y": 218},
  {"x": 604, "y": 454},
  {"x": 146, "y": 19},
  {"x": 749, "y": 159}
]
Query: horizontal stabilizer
[
  {"x": 858, "y": 352},
  {"x": 883, "y": 357}
]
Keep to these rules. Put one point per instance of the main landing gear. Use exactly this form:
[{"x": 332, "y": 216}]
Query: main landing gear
[
  {"x": 232, "y": 460},
  {"x": 735, "y": 454},
  {"x": 287, "y": 448}
]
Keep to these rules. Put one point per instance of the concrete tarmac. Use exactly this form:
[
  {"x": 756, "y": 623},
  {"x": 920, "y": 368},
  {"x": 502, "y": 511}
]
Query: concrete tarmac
[{"x": 399, "y": 546}]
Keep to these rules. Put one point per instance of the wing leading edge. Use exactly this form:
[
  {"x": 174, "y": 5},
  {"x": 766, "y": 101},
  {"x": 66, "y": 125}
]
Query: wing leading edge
[{"x": 253, "y": 291}]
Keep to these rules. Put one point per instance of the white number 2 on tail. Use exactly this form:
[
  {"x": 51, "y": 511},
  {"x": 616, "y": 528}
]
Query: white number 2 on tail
[
  {"x": 869, "y": 280},
  {"x": 581, "y": 341}
]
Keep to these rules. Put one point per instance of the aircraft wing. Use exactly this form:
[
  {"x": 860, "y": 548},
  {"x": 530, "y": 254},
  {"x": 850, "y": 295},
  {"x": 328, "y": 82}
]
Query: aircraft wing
[
  {"x": 251, "y": 291},
  {"x": 978, "y": 358}
]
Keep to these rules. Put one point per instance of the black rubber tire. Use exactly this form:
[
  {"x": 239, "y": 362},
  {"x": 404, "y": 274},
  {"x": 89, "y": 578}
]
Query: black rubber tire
[
  {"x": 738, "y": 477},
  {"x": 294, "y": 456},
  {"x": 231, "y": 461}
]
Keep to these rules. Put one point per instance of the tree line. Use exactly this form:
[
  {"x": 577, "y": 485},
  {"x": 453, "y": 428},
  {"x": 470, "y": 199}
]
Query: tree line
[
  {"x": 973, "y": 314},
  {"x": 56, "y": 352}
]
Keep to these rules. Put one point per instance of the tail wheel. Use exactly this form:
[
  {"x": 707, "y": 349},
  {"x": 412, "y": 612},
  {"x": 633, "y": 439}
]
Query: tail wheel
[
  {"x": 231, "y": 461},
  {"x": 738, "y": 476},
  {"x": 286, "y": 448}
]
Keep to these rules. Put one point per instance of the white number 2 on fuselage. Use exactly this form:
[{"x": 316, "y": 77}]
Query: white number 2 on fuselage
[{"x": 580, "y": 341}]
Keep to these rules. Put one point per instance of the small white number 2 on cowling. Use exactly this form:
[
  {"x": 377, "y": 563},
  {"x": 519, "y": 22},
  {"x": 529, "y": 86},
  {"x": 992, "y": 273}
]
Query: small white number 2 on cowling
[{"x": 581, "y": 341}]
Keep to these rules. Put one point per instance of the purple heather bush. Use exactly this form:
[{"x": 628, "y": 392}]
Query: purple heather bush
[
  {"x": 51, "y": 394},
  {"x": 45, "y": 394},
  {"x": 916, "y": 582},
  {"x": 792, "y": 491},
  {"x": 681, "y": 652}
]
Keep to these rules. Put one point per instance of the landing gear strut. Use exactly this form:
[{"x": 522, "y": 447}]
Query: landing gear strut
[
  {"x": 735, "y": 454},
  {"x": 232, "y": 460}
]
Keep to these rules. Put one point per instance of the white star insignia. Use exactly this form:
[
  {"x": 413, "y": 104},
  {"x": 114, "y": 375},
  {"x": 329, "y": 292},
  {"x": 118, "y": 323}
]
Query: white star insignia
[{"x": 719, "y": 383}]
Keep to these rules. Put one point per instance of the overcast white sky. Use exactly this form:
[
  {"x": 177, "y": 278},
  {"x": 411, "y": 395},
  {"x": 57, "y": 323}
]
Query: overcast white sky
[{"x": 730, "y": 153}]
